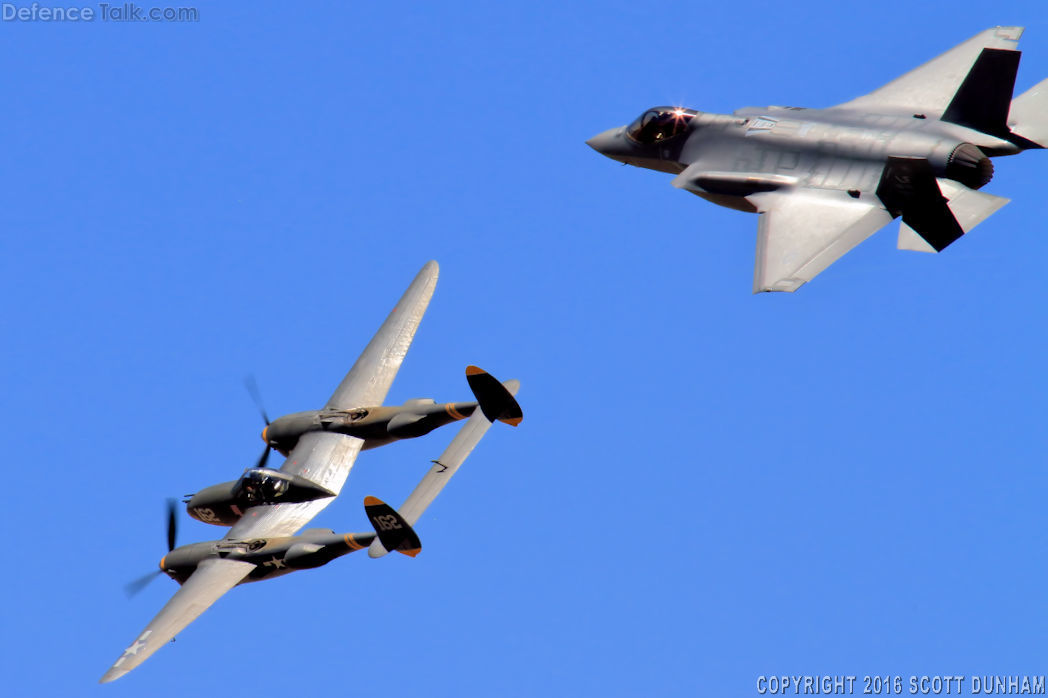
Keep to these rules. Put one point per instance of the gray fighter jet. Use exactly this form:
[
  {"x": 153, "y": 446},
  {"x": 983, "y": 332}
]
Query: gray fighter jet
[{"x": 823, "y": 180}]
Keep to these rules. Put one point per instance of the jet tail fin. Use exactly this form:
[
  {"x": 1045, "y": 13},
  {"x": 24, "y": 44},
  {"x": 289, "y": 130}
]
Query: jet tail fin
[
  {"x": 496, "y": 402},
  {"x": 1028, "y": 117},
  {"x": 983, "y": 99},
  {"x": 968, "y": 207},
  {"x": 393, "y": 531}
]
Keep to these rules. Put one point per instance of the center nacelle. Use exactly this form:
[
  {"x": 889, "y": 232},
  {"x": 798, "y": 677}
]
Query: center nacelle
[{"x": 223, "y": 504}]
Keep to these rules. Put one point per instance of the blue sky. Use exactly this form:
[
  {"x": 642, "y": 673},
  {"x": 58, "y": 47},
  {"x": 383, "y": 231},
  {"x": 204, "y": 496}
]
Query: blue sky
[{"x": 708, "y": 486}]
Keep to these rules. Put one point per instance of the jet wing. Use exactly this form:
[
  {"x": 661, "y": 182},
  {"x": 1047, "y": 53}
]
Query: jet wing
[
  {"x": 327, "y": 458},
  {"x": 803, "y": 231},
  {"x": 212, "y": 579},
  {"x": 443, "y": 468},
  {"x": 930, "y": 88}
]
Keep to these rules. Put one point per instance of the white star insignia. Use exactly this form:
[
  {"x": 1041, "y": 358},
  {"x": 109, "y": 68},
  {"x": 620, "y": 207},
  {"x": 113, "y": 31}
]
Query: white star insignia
[
  {"x": 274, "y": 563},
  {"x": 136, "y": 647}
]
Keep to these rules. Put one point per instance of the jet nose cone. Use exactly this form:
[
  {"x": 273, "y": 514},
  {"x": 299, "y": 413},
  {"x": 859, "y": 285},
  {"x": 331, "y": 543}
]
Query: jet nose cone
[
  {"x": 612, "y": 144},
  {"x": 604, "y": 142}
]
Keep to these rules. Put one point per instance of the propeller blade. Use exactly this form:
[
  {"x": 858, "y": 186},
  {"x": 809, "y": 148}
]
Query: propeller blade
[
  {"x": 172, "y": 525},
  {"x": 132, "y": 588},
  {"x": 263, "y": 459},
  {"x": 252, "y": 389}
]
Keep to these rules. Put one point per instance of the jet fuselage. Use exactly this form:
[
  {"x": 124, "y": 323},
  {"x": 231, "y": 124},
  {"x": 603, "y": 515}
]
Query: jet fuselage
[{"x": 724, "y": 158}]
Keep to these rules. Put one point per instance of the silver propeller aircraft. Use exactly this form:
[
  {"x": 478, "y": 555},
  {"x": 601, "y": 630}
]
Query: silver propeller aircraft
[
  {"x": 267, "y": 507},
  {"x": 823, "y": 180}
]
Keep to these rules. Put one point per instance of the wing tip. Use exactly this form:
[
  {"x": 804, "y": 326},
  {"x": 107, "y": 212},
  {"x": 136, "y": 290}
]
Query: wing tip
[
  {"x": 431, "y": 267},
  {"x": 112, "y": 675},
  {"x": 1008, "y": 33}
]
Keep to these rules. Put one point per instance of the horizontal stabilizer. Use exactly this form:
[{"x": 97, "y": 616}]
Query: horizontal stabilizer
[
  {"x": 443, "y": 469},
  {"x": 969, "y": 208},
  {"x": 908, "y": 188},
  {"x": 394, "y": 532},
  {"x": 495, "y": 401},
  {"x": 1028, "y": 117}
]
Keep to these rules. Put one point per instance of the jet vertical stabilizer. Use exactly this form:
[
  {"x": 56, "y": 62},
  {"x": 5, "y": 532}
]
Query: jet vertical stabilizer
[
  {"x": 983, "y": 99},
  {"x": 1028, "y": 117}
]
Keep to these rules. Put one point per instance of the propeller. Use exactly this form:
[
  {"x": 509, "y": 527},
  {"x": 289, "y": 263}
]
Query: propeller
[
  {"x": 172, "y": 524},
  {"x": 264, "y": 458},
  {"x": 132, "y": 588},
  {"x": 256, "y": 395}
]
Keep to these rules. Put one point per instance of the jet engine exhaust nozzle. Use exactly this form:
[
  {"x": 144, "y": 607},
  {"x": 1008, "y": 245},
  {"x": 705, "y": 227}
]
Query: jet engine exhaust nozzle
[{"x": 969, "y": 166}]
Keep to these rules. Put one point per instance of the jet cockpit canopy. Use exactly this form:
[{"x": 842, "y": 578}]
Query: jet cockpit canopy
[{"x": 660, "y": 124}]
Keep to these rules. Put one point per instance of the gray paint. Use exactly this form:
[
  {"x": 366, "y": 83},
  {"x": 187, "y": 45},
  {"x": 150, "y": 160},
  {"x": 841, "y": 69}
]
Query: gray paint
[{"x": 816, "y": 176}]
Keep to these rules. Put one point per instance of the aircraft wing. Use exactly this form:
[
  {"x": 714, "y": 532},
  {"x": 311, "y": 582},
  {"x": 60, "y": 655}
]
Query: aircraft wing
[
  {"x": 443, "y": 468},
  {"x": 212, "y": 579},
  {"x": 803, "y": 231},
  {"x": 368, "y": 381},
  {"x": 930, "y": 88},
  {"x": 322, "y": 457},
  {"x": 327, "y": 458}
]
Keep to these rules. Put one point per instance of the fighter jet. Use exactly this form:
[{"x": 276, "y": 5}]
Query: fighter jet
[{"x": 823, "y": 180}]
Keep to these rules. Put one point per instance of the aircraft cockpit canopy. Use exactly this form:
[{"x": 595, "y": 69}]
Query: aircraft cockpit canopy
[
  {"x": 261, "y": 485},
  {"x": 660, "y": 124}
]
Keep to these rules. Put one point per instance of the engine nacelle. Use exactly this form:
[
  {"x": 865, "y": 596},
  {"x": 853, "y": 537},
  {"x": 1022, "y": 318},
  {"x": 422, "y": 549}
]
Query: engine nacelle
[
  {"x": 307, "y": 555},
  {"x": 420, "y": 402},
  {"x": 406, "y": 425}
]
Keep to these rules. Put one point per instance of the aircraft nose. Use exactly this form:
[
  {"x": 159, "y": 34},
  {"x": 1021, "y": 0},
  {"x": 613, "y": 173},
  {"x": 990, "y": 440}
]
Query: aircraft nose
[
  {"x": 604, "y": 142},
  {"x": 612, "y": 144}
]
